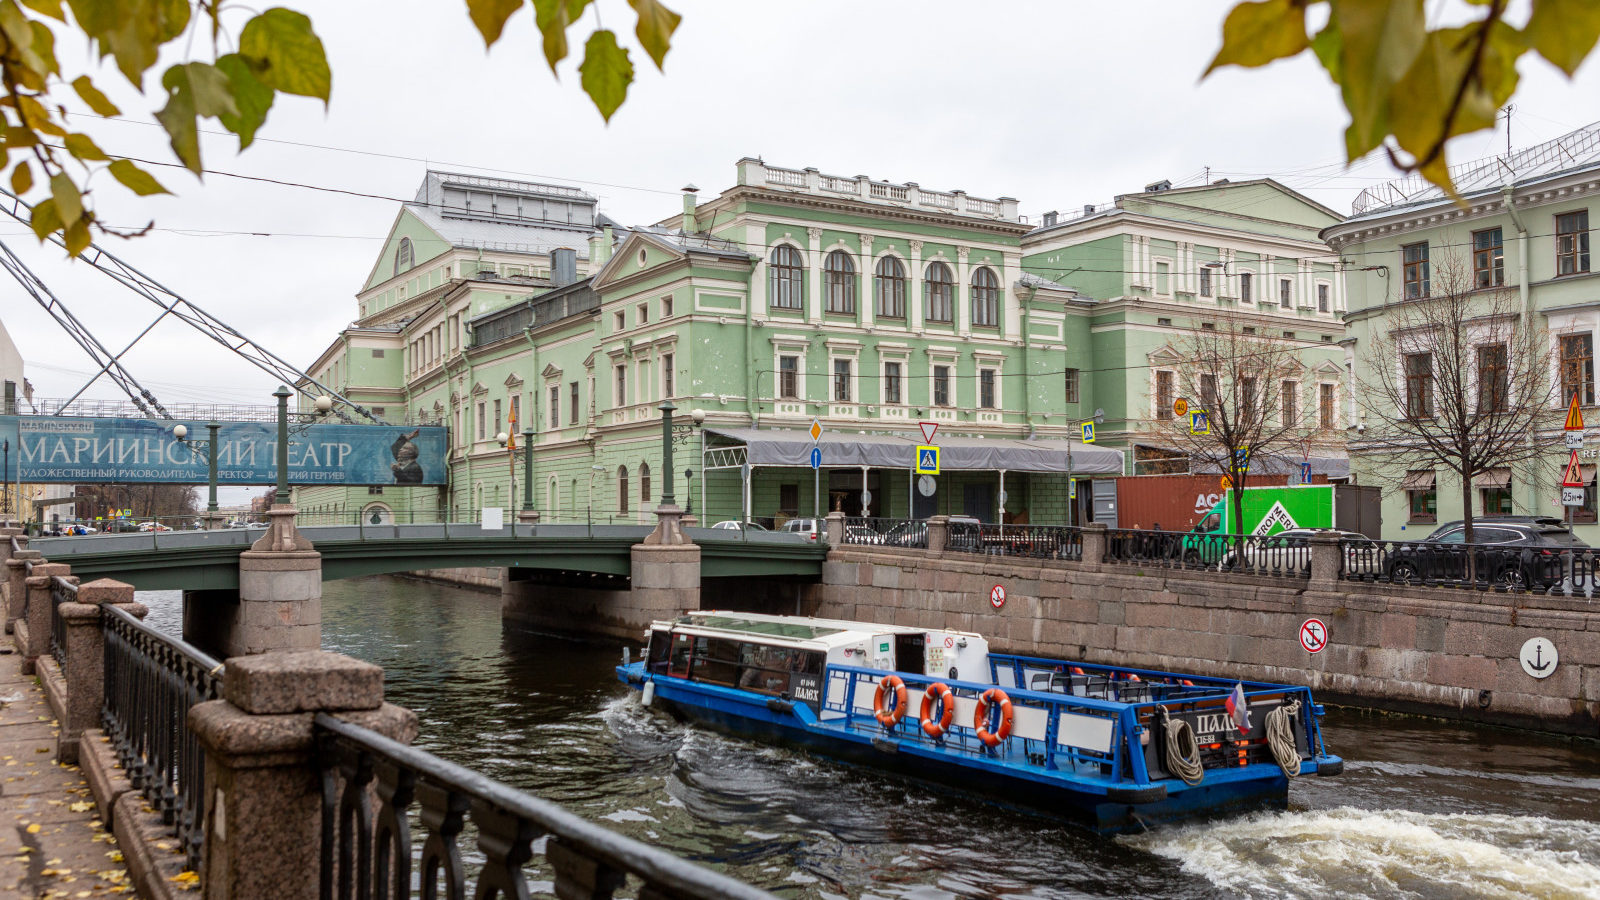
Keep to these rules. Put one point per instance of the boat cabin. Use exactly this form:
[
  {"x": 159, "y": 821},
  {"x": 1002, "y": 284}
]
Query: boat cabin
[{"x": 787, "y": 655}]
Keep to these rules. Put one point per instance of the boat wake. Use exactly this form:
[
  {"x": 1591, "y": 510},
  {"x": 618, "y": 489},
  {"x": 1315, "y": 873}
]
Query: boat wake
[{"x": 1359, "y": 853}]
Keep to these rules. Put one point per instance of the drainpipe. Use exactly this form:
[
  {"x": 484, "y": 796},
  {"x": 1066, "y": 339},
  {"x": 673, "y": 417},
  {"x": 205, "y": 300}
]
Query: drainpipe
[
  {"x": 1525, "y": 295},
  {"x": 1027, "y": 369},
  {"x": 532, "y": 412}
]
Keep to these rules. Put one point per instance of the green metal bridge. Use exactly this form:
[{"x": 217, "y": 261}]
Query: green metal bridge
[{"x": 209, "y": 560}]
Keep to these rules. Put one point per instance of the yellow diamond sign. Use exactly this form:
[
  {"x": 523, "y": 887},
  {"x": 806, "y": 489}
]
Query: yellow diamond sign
[{"x": 816, "y": 430}]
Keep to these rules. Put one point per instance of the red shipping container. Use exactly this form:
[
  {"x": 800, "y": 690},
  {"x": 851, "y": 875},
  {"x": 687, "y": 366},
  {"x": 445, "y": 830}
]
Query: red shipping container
[{"x": 1176, "y": 502}]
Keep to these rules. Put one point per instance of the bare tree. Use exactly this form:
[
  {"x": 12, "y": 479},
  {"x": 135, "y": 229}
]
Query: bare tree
[
  {"x": 1247, "y": 385},
  {"x": 1459, "y": 381}
]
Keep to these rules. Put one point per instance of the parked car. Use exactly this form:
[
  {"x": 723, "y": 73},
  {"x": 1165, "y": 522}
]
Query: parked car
[
  {"x": 735, "y": 525},
  {"x": 1505, "y": 552},
  {"x": 1290, "y": 550},
  {"x": 812, "y": 527},
  {"x": 153, "y": 526}
]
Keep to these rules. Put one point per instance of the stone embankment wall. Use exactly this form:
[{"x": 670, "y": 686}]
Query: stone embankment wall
[
  {"x": 1438, "y": 651},
  {"x": 472, "y": 577}
]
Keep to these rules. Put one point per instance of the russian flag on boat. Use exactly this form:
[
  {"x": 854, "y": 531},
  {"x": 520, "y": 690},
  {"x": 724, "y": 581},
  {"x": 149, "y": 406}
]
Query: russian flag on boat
[{"x": 1239, "y": 709}]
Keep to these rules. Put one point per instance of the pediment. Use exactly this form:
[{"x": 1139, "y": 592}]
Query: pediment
[
  {"x": 625, "y": 261},
  {"x": 479, "y": 388},
  {"x": 1164, "y": 354},
  {"x": 550, "y": 371},
  {"x": 513, "y": 380}
]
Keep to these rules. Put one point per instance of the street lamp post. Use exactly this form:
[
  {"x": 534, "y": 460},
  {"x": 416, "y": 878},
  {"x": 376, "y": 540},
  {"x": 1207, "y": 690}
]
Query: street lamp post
[
  {"x": 181, "y": 432},
  {"x": 281, "y": 498},
  {"x": 527, "y": 473},
  {"x": 666, "y": 408}
]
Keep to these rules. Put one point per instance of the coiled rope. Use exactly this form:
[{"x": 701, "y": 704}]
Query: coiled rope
[
  {"x": 1183, "y": 752},
  {"x": 1280, "y": 737}
]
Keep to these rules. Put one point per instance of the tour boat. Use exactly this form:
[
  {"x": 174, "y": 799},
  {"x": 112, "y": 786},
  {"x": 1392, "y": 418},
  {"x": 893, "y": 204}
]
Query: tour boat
[{"x": 1116, "y": 747}]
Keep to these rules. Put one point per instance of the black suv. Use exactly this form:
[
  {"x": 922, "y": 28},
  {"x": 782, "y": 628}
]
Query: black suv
[{"x": 1516, "y": 552}]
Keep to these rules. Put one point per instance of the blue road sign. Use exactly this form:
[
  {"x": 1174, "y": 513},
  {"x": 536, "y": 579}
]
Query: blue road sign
[
  {"x": 927, "y": 460},
  {"x": 816, "y": 457},
  {"x": 1088, "y": 432},
  {"x": 1305, "y": 473},
  {"x": 1241, "y": 459},
  {"x": 1199, "y": 422}
]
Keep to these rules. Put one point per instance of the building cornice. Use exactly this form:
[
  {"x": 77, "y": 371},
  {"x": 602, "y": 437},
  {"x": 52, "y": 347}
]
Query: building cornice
[{"x": 748, "y": 193}]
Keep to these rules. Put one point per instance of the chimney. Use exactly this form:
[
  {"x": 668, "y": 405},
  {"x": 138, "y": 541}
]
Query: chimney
[
  {"x": 689, "y": 192},
  {"x": 563, "y": 266},
  {"x": 1050, "y": 218},
  {"x": 1088, "y": 209},
  {"x": 599, "y": 249}
]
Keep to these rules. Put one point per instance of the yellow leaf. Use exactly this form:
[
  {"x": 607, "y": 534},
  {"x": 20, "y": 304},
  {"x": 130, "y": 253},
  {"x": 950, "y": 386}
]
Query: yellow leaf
[
  {"x": 1564, "y": 31},
  {"x": 294, "y": 59},
  {"x": 97, "y": 101},
  {"x": 606, "y": 72},
  {"x": 1379, "y": 41},
  {"x": 490, "y": 17},
  {"x": 185, "y": 877},
  {"x": 1257, "y": 33},
  {"x": 655, "y": 28},
  {"x": 34, "y": 828},
  {"x": 81, "y": 807},
  {"x": 83, "y": 147},
  {"x": 69, "y": 203}
]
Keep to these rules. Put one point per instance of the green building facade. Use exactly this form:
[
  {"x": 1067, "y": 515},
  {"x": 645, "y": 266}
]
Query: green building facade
[
  {"x": 796, "y": 297},
  {"x": 1520, "y": 239}
]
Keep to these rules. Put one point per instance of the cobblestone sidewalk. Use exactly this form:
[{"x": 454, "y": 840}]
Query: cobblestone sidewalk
[{"x": 53, "y": 843}]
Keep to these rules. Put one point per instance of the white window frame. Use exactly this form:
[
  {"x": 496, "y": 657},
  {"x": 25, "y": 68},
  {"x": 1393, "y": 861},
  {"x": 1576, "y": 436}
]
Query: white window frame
[
  {"x": 796, "y": 348},
  {"x": 855, "y": 376},
  {"x": 1156, "y": 262},
  {"x": 999, "y": 402},
  {"x": 899, "y": 359}
]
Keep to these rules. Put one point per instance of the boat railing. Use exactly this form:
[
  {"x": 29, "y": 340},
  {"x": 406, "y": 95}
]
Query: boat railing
[
  {"x": 1084, "y": 719},
  {"x": 1054, "y": 731}
]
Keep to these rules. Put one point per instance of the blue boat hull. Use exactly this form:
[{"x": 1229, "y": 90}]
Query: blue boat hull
[{"x": 1113, "y": 809}]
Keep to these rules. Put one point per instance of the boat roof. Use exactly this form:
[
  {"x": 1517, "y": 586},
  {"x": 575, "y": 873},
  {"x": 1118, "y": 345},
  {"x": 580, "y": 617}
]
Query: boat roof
[{"x": 825, "y": 633}]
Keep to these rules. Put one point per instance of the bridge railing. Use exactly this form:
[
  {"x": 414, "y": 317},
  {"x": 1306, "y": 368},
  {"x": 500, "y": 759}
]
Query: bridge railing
[
  {"x": 369, "y": 853},
  {"x": 881, "y": 532},
  {"x": 1033, "y": 541},
  {"x": 151, "y": 680},
  {"x": 62, "y": 590}
]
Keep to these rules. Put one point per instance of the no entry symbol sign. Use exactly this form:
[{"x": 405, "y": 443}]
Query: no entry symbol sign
[
  {"x": 1313, "y": 635},
  {"x": 997, "y": 596}
]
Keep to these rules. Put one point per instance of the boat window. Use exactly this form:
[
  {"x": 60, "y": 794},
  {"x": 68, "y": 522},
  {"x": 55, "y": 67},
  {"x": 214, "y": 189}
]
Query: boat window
[
  {"x": 716, "y": 661},
  {"x": 681, "y": 646},
  {"x": 764, "y": 669},
  {"x": 660, "y": 648}
]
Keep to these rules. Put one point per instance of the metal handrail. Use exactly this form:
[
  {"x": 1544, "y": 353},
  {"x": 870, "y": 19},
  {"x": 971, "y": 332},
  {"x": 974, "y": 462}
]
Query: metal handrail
[
  {"x": 364, "y": 852},
  {"x": 151, "y": 681},
  {"x": 886, "y": 532},
  {"x": 1033, "y": 541},
  {"x": 62, "y": 590}
]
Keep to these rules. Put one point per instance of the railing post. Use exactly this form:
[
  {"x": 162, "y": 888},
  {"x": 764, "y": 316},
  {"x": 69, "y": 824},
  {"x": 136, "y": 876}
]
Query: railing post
[
  {"x": 16, "y": 590},
  {"x": 1325, "y": 559},
  {"x": 836, "y": 529},
  {"x": 938, "y": 534},
  {"x": 33, "y": 629},
  {"x": 263, "y": 823},
  {"x": 1094, "y": 543},
  {"x": 84, "y": 667}
]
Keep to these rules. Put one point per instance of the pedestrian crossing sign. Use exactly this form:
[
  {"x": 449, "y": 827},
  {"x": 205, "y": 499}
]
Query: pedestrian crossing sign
[
  {"x": 1199, "y": 422},
  {"x": 927, "y": 460},
  {"x": 1088, "y": 432}
]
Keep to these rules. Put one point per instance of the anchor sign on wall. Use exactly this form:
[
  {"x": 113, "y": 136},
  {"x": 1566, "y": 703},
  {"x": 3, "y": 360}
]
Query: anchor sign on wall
[{"x": 1538, "y": 657}]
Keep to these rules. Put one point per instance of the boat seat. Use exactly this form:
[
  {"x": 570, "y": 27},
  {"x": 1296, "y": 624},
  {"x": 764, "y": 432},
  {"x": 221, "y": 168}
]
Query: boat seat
[{"x": 1039, "y": 681}]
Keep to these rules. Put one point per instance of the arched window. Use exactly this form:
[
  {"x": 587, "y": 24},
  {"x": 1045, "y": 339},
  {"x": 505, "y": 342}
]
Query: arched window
[
  {"x": 572, "y": 496},
  {"x": 985, "y": 297},
  {"x": 403, "y": 256},
  {"x": 551, "y": 495},
  {"x": 940, "y": 289},
  {"x": 644, "y": 482},
  {"x": 786, "y": 275},
  {"x": 622, "y": 490},
  {"x": 839, "y": 277},
  {"x": 891, "y": 285}
]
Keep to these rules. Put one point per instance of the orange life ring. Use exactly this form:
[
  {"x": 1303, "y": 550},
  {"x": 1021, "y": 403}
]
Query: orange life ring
[
  {"x": 886, "y": 717},
  {"x": 941, "y": 694},
  {"x": 980, "y": 719}
]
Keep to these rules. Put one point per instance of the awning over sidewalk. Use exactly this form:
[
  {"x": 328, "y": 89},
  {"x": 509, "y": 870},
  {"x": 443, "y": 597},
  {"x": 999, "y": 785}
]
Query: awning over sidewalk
[{"x": 790, "y": 447}]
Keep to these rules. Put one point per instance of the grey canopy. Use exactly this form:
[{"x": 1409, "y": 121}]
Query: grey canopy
[{"x": 790, "y": 447}]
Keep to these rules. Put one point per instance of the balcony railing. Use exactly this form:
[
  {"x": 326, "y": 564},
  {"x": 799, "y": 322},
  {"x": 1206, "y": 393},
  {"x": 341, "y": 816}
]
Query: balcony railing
[{"x": 754, "y": 172}]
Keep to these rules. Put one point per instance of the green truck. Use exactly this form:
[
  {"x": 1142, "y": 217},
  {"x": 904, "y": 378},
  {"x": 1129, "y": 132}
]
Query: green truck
[{"x": 1270, "y": 510}]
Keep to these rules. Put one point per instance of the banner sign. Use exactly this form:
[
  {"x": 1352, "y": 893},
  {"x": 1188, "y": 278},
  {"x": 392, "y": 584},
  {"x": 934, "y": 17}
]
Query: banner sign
[{"x": 58, "y": 449}]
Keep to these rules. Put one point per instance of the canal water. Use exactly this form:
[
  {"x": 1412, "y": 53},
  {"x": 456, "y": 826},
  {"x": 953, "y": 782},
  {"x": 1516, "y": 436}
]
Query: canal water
[{"x": 1423, "y": 809}]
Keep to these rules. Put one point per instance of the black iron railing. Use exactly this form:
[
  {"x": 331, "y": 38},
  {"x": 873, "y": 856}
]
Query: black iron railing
[
  {"x": 368, "y": 853},
  {"x": 151, "y": 680},
  {"x": 1483, "y": 567},
  {"x": 1033, "y": 541},
  {"x": 62, "y": 590},
  {"x": 886, "y": 532},
  {"x": 1249, "y": 554}
]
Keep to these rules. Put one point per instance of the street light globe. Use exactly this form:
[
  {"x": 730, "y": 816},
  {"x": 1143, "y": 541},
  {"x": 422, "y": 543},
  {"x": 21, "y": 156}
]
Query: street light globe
[
  {"x": 180, "y": 431},
  {"x": 323, "y": 404},
  {"x": 698, "y": 415},
  {"x": 502, "y": 437}
]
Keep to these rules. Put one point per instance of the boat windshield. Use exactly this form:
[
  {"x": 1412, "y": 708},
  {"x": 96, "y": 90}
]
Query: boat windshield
[{"x": 792, "y": 630}]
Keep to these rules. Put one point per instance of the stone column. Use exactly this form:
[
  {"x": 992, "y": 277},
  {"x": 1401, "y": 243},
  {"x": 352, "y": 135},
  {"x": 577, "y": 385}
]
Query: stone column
[
  {"x": 835, "y": 524},
  {"x": 263, "y": 813},
  {"x": 1094, "y": 543},
  {"x": 666, "y": 582},
  {"x": 280, "y": 593},
  {"x": 84, "y": 669},
  {"x": 938, "y": 534},
  {"x": 33, "y": 629},
  {"x": 1325, "y": 562},
  {"x": 16, "y": 590}
]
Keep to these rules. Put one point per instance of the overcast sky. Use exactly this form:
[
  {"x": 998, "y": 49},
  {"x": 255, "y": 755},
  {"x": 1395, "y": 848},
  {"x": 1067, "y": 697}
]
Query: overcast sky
[{"x": 1058, "y": 104}]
